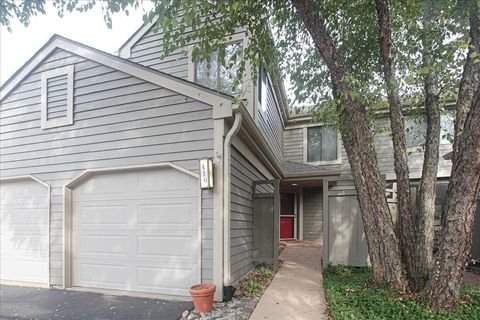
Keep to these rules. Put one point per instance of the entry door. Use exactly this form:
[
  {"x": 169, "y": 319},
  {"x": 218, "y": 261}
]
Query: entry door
[{"x": 287, "y": 216}]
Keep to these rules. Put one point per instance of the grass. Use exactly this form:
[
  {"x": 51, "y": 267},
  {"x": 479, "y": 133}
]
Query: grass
[{"x": 351, "y": 296}]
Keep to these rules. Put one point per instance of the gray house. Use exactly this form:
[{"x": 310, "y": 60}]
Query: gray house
[{"x": 101, "y": 186}]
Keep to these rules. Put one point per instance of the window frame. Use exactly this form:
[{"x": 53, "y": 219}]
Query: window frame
[
  {"x": 192, "y": 66},
  {"x": 68, "y": 119},
  {"x": 323, "y": 162},
  {"x": 442, "y": 141}
]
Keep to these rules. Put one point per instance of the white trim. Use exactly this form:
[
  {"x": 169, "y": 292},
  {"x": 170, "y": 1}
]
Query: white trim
[
  {"x": 68, "y": 211},
  {"x": 152, "y": 76},
  {"x": 300, "y": 214},
  {"x": 305, "y": 148},
  {"x": 68, "y": 119},
  {"x": 218, "y": 137},
  {"x": 49, "y": 206},
  {"x": 125, "y": 50}
]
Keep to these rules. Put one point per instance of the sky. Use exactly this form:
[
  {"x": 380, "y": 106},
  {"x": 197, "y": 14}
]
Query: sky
[{"x": 18, "y": 46}]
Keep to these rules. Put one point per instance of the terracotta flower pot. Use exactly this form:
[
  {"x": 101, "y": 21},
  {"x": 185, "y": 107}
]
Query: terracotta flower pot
[{"x": 202, "y": 295}]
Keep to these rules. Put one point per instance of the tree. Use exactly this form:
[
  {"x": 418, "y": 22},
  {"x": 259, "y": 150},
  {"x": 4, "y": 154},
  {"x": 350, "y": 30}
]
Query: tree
[{"x": 344, "y": 63}]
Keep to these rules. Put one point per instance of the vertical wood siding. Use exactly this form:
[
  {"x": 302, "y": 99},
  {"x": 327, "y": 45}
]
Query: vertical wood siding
[
  {"x": 243, "y": 174},
  {"x": 312, "y": 213},
  {"x": 119, "y": 120}
]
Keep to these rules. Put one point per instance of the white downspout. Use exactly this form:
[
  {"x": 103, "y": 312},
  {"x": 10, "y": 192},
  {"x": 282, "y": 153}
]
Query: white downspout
[{"x": 226, "y": 194}]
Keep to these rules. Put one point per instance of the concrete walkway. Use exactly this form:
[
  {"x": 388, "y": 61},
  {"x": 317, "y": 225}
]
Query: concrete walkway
[{"x": 296, "y": 292}]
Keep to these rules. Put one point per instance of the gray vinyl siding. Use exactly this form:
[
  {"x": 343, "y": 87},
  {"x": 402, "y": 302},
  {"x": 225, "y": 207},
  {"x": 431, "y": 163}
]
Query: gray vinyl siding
[
  {"x": 270, "y": 123},
  {"x": 293, "y": 145},
  {"x": 119, "y": 120},
  {"x": 148, "y": 51},
  {"x": 243, "y": 174},
  {"x": 293, "y": 149},
  {"x": 312, "y": 213}
]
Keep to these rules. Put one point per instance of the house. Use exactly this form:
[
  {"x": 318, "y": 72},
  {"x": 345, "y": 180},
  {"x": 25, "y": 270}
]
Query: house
[{"x": 100, "y": 172}]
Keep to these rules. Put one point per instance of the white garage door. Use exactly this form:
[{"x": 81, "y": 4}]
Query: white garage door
[
  {"x": 137, "y": 231},
  {"x": 24, "y": 231}
]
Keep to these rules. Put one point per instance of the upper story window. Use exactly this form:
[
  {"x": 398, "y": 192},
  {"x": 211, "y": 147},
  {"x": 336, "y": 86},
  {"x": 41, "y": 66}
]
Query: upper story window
[
  {"x": 262, "y": 89},
  {"x": 212, "y": 74},
  {"x": 56, "y": 105},
  {"x": 416, "y": 129},
  {"x": 321, "y": 145}
]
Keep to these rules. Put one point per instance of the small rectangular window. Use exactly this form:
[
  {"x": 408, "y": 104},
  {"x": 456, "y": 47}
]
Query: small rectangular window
[
  {"x": 57, "y": 97},
  {"x": 322, "y": 145},
  {"x": 416, "y": 129},
  {"x": 212, "y": 74}
]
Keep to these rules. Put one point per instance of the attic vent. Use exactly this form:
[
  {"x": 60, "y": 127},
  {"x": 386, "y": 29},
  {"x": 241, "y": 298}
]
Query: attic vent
[{"x": 57, "y": 97}]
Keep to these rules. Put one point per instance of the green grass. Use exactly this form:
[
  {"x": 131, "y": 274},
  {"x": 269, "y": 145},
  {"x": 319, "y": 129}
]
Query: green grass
[{"x": 351, "y": 296}]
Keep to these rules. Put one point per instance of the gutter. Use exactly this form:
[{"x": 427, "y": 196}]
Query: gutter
[{"x": 226, "y": 194}]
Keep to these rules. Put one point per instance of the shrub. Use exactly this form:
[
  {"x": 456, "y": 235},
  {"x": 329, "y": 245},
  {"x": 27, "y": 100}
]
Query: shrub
[
  {"x": 263, "y": 272},
  {"x": 253, "y": 287}
]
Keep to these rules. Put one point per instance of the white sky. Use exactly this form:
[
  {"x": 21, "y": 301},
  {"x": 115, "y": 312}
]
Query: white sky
[{"x": 88, "y": 28}]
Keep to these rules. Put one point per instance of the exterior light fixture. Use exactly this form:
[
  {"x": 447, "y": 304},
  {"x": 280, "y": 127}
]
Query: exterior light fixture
[
  {"x": 294, "y": 184},
  {"x": 206, "y": 173}
]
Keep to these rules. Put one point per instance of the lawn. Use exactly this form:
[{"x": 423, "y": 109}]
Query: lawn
[{"x": 350, "y": 295}]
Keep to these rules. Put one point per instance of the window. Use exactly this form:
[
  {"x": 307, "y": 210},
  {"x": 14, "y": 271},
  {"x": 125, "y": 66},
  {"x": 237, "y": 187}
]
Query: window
[
  {"x": 440, "y": 197},
  {"x": 262, "y": 89},
  {"x": 321, "y": 145},
  {"x": 416, "y": 128},
  {"x": 57, "y": 97},
  {"x": 212, "y": 74}
]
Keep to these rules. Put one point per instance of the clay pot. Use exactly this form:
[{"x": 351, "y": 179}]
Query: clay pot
[{"x": 202, "y": 295}]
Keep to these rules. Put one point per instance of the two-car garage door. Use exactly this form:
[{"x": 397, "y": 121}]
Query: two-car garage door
[{"x": 136, "y": 231}]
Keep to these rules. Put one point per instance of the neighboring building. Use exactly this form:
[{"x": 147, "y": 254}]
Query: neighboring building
[{"x": 100, "y": 172}]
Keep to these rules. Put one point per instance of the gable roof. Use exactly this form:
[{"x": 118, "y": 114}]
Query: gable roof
[
  {"x": 181, "y": 86},
  {"x": 126, "y": 48}
]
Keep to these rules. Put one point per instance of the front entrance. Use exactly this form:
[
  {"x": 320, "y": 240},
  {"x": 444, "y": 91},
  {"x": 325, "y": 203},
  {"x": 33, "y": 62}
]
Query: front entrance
[{"x": 288, "y": 216}]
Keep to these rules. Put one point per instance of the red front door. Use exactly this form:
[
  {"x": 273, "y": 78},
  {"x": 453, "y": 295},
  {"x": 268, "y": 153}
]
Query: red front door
[{"x": 287, "y": 216}]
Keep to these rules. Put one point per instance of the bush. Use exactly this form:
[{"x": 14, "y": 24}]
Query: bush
[
  {"x": 351, "y": 295},
  {"x": 264, "y": 272},
  {"x": 253, "y": 287}
]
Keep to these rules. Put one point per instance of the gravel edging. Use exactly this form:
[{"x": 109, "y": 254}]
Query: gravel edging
[
  {"x": 240, "y": 307},
  {"x": 236, "y": 309}
]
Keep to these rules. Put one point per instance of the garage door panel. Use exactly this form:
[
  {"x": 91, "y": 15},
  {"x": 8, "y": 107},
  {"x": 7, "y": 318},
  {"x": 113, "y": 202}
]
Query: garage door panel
[
  {"x": 101, "y": 215},
  {"x": 90, "y": 273},
  {"x": 24, "y": 225},
  {"x": 101, "y": 244},
  {"x": 148, "y": 235},
  {"x": 165, "y": 246},
  {"x": 178, "y": 213}
]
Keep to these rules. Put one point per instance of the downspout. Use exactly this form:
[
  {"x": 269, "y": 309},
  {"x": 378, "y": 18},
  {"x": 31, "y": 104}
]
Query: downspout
[{"x": 226, "y": 194}]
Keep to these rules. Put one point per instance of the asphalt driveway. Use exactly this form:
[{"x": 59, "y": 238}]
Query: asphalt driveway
[{"x": 37, "y": 303}]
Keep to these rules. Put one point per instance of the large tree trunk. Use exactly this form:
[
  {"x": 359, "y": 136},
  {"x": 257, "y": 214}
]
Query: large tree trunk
[
  {"x": 470, "y": 76},
  {"x": 428, "y": 182},
  {"x": 405, "y": 229},
  {"x": 358, "y": 142},
  {"x": 443, "y": 288}
]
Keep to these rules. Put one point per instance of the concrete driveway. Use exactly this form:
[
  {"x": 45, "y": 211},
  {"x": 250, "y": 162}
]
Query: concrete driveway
[{"x": 37, "y": 303}]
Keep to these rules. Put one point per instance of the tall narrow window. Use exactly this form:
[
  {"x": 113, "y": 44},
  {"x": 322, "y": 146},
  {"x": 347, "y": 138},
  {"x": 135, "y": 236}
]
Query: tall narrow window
[
  {"x": 212, "y": 74},
  {"x": 57, "y": 97},
  {"x": 321, "y": 145},
  {"x": 262, "y": 89}
]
